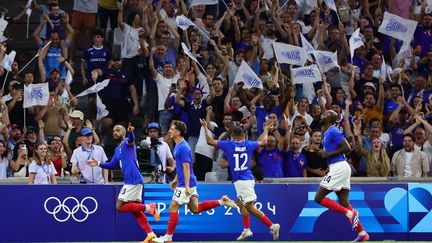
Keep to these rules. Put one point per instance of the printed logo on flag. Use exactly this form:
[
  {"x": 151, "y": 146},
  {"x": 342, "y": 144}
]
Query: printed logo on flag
[
  {"x": 251, "y": 80},
  {"x": 294, "y": 55},
  {"x": 305, "y": 73},
  {"x": 36, "y": 93},
  {"x": 394, "y": 25},
  {"x": 325, "y": 60}
]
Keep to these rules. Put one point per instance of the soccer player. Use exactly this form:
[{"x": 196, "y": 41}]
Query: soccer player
[
  {"x": 338, "y": 178},
  {"x": 129, "y": 199},
  {"x": 185, "y": 183},
  {"x": 238, "y": 152}
]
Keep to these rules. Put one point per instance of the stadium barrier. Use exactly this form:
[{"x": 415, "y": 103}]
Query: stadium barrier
[{"x": 46, "y": 213}]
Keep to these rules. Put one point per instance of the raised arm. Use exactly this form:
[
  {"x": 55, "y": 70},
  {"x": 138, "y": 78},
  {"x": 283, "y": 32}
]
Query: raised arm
[
  {"x": 209, "y": 139},
  {"x": 120, "y": 22}
]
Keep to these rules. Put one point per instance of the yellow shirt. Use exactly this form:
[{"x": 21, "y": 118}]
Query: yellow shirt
[
  {"x": 369, "y": 114},
  {"x": 108, "y": 4}
]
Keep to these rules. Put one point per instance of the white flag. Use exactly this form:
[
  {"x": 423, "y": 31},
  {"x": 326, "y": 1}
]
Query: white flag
[
  {"x": 246, "y": 75},
  {"x": 68, "y": 78},
  {"x": 404, "y": 52},
  {"x": 95, "y": 88},
  {"x": 29, "y": 2},
  {"x": 203, "y": 2},
  {"x": 306, "y": 74},
  {"x": 326, "y": 60},
  {"x": 398, "y": 27},
  {"x": 355, "y": 42},
  {"x": 331, "y": 4},
  {"x": 383, "y": 68},
  {"x": 8, "y": 61},
  {"x": 290, "y": 54},
  {"x": 36, "y": 94},
  {"x": 307, "y": 47},
  {"x": 3, "y": 24},
  {"x": 183, "y": 22},
  {"x": 101, "y": 109},
  {"x": 188, "y": 52}
]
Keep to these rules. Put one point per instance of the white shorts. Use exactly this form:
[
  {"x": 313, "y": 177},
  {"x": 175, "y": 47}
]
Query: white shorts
[
  {"x": 131, "y": 193},
  {"x": 245, "y": 191},
  {"x": 180, "y": 197},
  {"x": 338, "y": 177}
]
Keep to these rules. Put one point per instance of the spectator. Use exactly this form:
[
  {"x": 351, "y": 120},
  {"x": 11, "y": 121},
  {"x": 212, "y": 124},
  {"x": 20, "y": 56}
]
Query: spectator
[
  {"x": 80, "y": 156},
  {"x": 15, "y": 106},
  {"x": 15, "y": 136},
  {"x": 41, "y": 169},
  {"x": 94, "y": 62},
  {"x": 107, "y": 11},
  {"x": 422, "y": 131},
  {"x": 316, "y": 166},
  {"x": 295, "y": 163},
  {"x": 74, "y": 127},
  {"x": 378, "y": 162},
  {"x": 4, "y": 162},
  {"x": 54, "y": 115},
  {"x": 19, "y": 162},
  {"x": 270, "y": 158},
  {"x": 83, "y": 18},
  {"x": 409, "y": 162}
]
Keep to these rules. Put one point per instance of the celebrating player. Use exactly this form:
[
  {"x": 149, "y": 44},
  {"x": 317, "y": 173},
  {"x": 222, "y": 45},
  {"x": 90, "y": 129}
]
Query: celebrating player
[
  {"x": 238, "y": 152},
  {"x": 338, "y": 178},
  {"x": 129, "y": 199},
  {"x": 185, "y": 183}
]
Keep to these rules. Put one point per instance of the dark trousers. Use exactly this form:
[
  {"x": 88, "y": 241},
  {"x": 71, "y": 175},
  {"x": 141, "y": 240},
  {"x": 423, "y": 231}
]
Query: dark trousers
[{"x": 202, "y": 165}]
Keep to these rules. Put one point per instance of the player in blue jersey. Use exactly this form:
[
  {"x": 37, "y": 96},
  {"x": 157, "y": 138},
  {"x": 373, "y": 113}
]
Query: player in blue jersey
[
  {"x": 185, "y": 183},
  {"x": 239, "y": 152},
  {"x": 129, "y": 199},
  {"x": 338, "y": 179}
]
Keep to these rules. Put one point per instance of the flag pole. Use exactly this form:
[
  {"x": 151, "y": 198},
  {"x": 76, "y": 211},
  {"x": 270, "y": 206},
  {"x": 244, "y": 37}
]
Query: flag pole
[
  {"x": 4, "y": 81},
  {"x": 37, "y": 54},
  {"x": 229, "y": 10},
  {"x": 25, "y": 117}
]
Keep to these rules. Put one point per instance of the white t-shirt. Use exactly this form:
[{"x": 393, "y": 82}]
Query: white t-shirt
[
  {"x": 91, "y": 174},
  {"x": 202, "y": 147},
  {"x": 266, "y": 43},
  {"x": 164, "y": 153},
  {"x": 42, "y": 172},
  {"x": 307, "y": 117},
  {"x": 163, "y": 85},
  {"x": 130, "y": 44},
  {"x": 408, "y": 169},
  {"x": 86, "y": 6}
]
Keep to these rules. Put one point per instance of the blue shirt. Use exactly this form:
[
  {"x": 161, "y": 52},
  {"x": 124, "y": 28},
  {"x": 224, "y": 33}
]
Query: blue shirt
[
  {"x": 182, "y": 155},
  {"x": 96, "y": 58},
  {"x": 332, "y": 138},
  {"x": 261, "y": 115},
  {"x": 271, "y": 161},
  {"x": 390, "y": 106},
  {"x": 126, "y": 156},
  {"x": 294, "y": 165},
  {"x": 239, "y": 155}
]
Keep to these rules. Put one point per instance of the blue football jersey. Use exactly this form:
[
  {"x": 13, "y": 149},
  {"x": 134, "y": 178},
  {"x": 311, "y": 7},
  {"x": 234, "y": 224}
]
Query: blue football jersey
[
  {"x": 332, "y": 138},
  {"x": 183, "y": 154},
  {"x": 239, "y": 155}
]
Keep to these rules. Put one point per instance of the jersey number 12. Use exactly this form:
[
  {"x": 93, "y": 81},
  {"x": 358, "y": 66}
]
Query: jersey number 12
[{"x": 240, "y": 158}]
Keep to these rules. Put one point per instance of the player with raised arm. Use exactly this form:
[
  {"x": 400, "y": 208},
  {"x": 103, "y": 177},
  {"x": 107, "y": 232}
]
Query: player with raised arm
[
  {"x": 185, "y": 183},
  {"x": 338, "y": 178},
  {"x": 129, "y": 199},
  {"x": 239, "y": 152}
]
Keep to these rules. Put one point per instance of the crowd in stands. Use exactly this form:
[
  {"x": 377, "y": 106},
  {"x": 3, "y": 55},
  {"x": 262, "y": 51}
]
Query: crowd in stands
[{"x": 138, "y": 46}]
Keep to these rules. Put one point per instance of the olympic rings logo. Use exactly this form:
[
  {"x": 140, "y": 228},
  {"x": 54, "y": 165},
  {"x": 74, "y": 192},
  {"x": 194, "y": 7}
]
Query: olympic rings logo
[{"x": 68, "y": 212}]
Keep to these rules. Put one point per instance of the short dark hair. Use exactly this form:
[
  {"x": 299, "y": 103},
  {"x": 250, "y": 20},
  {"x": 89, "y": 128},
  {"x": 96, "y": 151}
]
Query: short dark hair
[
  {"x": 98, "y": 32},
  {"x": 52, "y": 5},
  {"x": 237, "y": 131},
  {"x": 181, "y": 127},
  {"x": 409, "y": 135}
]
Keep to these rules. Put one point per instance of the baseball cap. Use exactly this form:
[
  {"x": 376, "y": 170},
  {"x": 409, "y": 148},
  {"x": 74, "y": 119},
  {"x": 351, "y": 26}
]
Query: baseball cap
[
  {"x": 77, "y": 114},
  {"x": 153, "y": 125},
  {"x": 86, "y": 131},
  {"x": 370, "y": 84},
  {"x": 15, "y": 126},
  {"x": 116, "y": 57},
  {"x": 55, "y": 69}
]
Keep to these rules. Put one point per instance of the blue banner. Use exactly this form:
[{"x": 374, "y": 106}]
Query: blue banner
[{"x": 87, "y": 213}]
